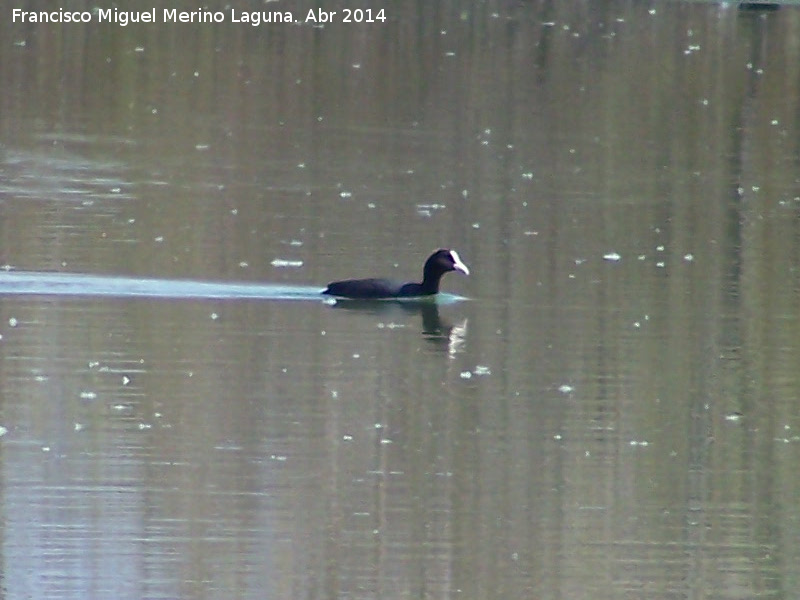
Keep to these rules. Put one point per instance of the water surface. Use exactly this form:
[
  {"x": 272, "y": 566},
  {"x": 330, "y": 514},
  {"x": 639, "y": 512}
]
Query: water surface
[
  {"x": 612, "y": 414},
  {"x": 82, "y": 284}
]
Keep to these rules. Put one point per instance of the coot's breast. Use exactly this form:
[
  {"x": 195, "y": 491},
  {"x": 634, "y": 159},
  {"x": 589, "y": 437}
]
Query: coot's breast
[{"x": 412, "y": 290}]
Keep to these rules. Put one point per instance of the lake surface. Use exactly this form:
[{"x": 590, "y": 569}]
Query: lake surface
[{"x": 607, "y": 407}]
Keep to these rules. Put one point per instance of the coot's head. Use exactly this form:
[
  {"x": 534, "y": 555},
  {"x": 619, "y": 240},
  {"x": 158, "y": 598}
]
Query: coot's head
[{"x": 442, "y": 261}]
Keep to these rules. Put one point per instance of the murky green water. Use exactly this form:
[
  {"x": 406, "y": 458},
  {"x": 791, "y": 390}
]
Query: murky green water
[{"x": 613, "y": 412}]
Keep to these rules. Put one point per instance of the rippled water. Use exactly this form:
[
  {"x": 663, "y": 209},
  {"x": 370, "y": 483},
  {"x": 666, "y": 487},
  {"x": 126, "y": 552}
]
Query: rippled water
[
  {"x": 81, "y": 284},
  {"x": 606, "y": 408}
]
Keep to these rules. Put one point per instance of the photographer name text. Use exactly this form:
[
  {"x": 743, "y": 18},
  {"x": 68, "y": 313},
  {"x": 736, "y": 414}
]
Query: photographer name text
[{"x": 171, "y": 15}]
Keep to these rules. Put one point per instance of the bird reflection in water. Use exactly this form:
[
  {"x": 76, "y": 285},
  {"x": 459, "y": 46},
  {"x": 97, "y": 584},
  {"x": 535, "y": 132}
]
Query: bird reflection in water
[{"x": 449, "y": 338}]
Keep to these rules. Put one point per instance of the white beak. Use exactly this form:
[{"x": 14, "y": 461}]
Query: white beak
[{"x": 457, "y": 264}]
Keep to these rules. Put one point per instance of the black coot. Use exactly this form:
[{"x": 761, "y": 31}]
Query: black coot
[{"x": 439, "y": 263}]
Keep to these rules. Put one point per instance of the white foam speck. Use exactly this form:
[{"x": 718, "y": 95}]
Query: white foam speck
[{"x": 282, "y": 262}]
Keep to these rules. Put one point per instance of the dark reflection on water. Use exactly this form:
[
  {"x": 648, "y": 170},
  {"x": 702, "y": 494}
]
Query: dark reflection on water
[
  {"x": 439, "y": 332},
  {"x": 612, "y": 414}
]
